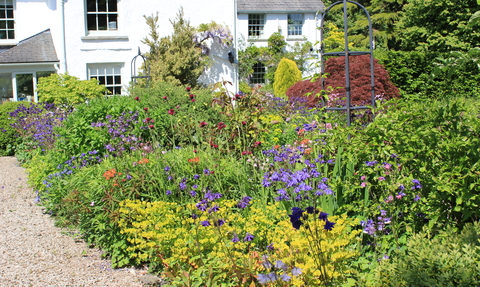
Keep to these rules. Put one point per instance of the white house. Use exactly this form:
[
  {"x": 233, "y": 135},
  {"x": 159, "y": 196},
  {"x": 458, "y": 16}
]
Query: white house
[
  {"x": 99, "y": 38},
  {"x": 296, "y": 20}
]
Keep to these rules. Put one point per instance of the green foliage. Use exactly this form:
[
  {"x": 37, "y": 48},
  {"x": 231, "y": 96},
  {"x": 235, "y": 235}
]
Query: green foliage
[
  {"x": 66, "y": 89},
  {"x": 286, "y": 75},
  {"x": 271, "y": 56},
  {"x": 276, "y": 43},
  {"x": 176, "y": 58},
  {"x": 8, "y": 136},
  {"x": 414, "y": 73},
  {"x": 447, "y": 259},
  {"x": 438, "y": 26}
]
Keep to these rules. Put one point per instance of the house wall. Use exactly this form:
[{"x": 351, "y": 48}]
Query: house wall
[
  {"x": 123, "y": 44},
  {"x": 278, "y": 23}
]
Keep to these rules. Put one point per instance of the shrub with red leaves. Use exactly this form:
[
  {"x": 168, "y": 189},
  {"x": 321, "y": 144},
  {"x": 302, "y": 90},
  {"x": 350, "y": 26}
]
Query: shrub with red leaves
[{"x": 359, "y": 83}]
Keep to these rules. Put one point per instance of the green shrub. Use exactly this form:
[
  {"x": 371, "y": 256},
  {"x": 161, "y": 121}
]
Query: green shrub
[
  {"x": 286, "y": 75},
  {"x": 8, "y": 137},
  {"x": 448, "y": 259},
  {"x": 66, "y": 89}
]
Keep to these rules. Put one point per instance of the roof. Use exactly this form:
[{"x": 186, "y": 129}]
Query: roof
[
  {"x": 245, "y": 6},
  {"x": 38, "y": 48}
]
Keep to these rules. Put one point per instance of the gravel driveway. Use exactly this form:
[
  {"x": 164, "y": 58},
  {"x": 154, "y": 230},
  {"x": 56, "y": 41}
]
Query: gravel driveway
[{"x": 33, "y": 252}]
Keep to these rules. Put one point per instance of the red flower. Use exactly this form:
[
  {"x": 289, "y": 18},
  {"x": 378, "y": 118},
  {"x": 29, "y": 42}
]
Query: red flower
[
  {"x": 145, "y": 109},
  {"x": 213, "y": 145},
  {"x": 165, "y": 98},
  {"x": 203, "y": 124},
  {"x": 246, "y": 152},
  {"x": 188, "y": 89},
  {"x": 192, "y": 96},
  {"x": 257, "y": 143},
  {"x": 193, "y": 100},
  {"x": 238, "y": 97},
  {"x": 212, "y": 172},
  {"x": 151, "y": 126},
  {"x": 221, "y": 125},
  {"x": 244, "y": 123},
  {"x": 171, "y": 112},
  {"x": 137, "y": 99}
]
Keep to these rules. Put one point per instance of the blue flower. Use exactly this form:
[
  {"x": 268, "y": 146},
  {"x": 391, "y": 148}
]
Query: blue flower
[
  {"x": 329, "y": 225},
  {"x": 205, "y": 223}
]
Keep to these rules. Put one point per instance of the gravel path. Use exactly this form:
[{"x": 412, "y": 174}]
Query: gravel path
[{"x": 33, "y": 252}]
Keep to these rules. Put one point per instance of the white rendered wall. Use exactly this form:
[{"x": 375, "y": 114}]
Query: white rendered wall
[{"x": 123, "y": 45}]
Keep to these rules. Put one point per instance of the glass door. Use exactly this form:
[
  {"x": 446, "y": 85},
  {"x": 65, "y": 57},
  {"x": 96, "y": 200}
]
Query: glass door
[{"x": 25, "y": 87}]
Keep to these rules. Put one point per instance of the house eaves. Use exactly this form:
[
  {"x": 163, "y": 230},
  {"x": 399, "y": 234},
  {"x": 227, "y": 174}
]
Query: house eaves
[
  {"x": 38, "y": 48},
  {"x": 279, "y": 6}
]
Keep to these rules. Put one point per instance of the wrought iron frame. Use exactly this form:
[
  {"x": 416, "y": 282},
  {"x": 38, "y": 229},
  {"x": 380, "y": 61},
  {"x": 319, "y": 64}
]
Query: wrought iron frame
[
  {"x": 348, "y": 108},
  {"x": 134, "y": 71}
]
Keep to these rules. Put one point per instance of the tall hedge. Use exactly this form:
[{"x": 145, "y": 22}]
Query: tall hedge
[{"x": 286, "y": 75}]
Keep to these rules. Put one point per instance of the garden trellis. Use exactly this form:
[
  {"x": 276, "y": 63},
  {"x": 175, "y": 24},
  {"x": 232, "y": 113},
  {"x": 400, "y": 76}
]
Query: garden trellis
[
  {"x": 146, "y": 70},
  {"x": 348, "y": 107}
]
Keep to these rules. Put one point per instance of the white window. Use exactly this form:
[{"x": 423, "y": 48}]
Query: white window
[
  {"x": 109, "y": 75},
  {"x": 6, "y": 20},
  {"x": 258, "y": 75},
  {"x": 295, "y": 24},
  {"x": 102, "y": 15},
  {"x": 256, "y": 23}
]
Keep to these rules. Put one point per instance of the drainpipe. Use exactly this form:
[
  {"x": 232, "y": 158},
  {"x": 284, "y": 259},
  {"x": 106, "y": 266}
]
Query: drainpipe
[
  {"x": 235, "y": 44},
  {"x": 63, "y": 60}
]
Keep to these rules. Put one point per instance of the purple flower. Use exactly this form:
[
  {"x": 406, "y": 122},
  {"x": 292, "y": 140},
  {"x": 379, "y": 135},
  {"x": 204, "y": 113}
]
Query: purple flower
[
  {"x": 248, "y": 237},
  {"x": 329, "y": 225},
  {"x": 323, "y": 216},
  {"x": 214, "y": 209},
  {"x": 205, "y": 223},
  {"x": 417, "y": 198},
  {"x": 220, "y": 222},
  {"x": 296, "y": 271},
  {"x": 244, "y": 202},
  {"x": 167, "y": 168},
  {"x": 235, "y": 238}
]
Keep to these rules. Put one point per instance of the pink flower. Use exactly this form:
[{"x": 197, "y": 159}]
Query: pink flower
[
  {"x": 244, "y": 123},
  {"x": 364, "y": 184},
  {"x": 221, "y": 125},
  {"x": 145, "y": 109},
  {"x": 203, "y": 124},
  {"x": 381, "y": 178},
  {"x": 171, "y": 112},
  {"x": 151, "y": 126},
  {"x": 137, "y": 99},
  {"x": 92, "y": 203},
  {"x": 363, "y": 177},
  {"x": 188, "y": 89}
]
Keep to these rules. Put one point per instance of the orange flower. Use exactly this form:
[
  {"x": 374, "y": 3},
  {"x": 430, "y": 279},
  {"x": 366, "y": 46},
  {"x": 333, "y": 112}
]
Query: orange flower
[
  {"x": 195, "y": 159},
  {"x": 143, "y": 161},
  {"x": 109, "y": 173},
  {"x": 276, "y": 146},
  {"x": 305, "y": 142}
]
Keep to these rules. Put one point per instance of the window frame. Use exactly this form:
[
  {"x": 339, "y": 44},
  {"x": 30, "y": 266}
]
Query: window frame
[
  {"x": 7, "y": 20},
  {"x": 256, "y": 28},
  {"x": 113, "y": 87},
  {"x": 258, "y": 75},
  {"x": 108, "y": 29},
  {"x": 295, "y": 26}
]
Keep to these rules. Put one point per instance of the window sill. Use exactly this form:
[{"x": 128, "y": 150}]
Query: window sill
[
  {"x": 104, "y": 38},
  {"x": 257, "y": 40},
  {"x": 296, "y": 38},
  {"x": 8, "y": 42}
]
